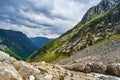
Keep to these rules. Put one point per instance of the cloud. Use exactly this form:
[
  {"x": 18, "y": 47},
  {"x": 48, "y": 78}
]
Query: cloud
[{"x": 46, "y": 18}]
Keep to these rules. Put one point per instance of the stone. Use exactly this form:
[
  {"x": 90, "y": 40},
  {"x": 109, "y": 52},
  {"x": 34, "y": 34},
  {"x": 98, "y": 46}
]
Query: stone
[
  {"x": 114, "y": 69},
  {"x": 87, "y": 69},
  {"x": 97, "y": 67},
  {"x": 31, "y": 77},
  {"x": 5, "y": 57},
  {"x": 25, "y": 69},
  {"x": 8, "y": 72}
]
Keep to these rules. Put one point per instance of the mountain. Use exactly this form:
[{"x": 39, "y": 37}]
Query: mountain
[
  {"x": 103, "y": 6},
  {"x": 40, "y": 41},
  {"x": 16, "y": 44},
  {"x": 85, "y": 34}
]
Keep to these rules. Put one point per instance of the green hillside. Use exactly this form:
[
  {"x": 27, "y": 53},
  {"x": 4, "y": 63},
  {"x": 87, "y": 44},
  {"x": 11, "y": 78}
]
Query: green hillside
[
  {"x": 80, "y": 37},
  {"x": 16, "y": 44}
]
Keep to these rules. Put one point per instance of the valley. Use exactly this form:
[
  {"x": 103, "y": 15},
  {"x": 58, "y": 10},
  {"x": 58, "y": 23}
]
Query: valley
[{"x": 88, "y": 51}]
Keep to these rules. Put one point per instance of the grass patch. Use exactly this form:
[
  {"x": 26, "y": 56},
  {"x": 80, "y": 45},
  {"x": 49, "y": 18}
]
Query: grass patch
[
  {"x": 62, "y": 77},
  {"x": 43, "y": 71},
  {"x": 51, "y": 57}
]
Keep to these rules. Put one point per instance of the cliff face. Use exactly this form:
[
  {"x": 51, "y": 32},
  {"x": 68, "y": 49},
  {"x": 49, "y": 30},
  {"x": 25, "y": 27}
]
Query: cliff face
[
  {"x": 83, "y": 35},
  {"x": 101, "y": 8},
  {"x": 16, "y": 43}
]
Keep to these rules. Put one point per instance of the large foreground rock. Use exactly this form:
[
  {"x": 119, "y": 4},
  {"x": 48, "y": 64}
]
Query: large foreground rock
[
  {"x": 8, "y": 72},
  {"x": 6, "y": 58},
  {"x": 27, "y": 71}
]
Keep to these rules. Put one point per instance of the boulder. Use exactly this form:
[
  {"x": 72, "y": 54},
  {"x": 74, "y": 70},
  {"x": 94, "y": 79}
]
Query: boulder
[
  {"x": 26, "y": 70},
  {"x": 97, "y": 67},
  {"x": 6, "y": 58},
  {"x": 114, "y": 69},
  {"x": 87, "y": 68},
  {"x": 8, "y": 72}
]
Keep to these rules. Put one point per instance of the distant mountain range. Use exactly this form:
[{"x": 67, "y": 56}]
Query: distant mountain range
[
  {"x": 40, "y": 41},
  {"x": 101, "y": 23},
  {"x": 16, "y": 44}
]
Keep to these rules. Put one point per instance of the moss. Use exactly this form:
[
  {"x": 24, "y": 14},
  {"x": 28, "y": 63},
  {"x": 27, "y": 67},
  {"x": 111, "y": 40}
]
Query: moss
[
  {"x": 83, "y": 47},
  {"x": 62, "y": 77},
  {"x": 106, "y": 39},
  {"x": 36, "y": 78},
  {"x": 43, "y": 71}
]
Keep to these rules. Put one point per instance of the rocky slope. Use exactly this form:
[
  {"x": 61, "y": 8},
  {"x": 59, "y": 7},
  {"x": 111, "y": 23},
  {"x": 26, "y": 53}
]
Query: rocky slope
[
  {"x": 11, "y": 69},
  {"x": 40, "y": 41},
  {"x": 96, "y": 58},
  {"x": 106, "y": 51},
  {"x": 16, "y": 44},
  {"x": 82, "y": 35}
]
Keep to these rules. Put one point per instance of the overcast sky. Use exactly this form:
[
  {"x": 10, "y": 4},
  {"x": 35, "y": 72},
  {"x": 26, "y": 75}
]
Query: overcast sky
[{"x": 42, "y": 18}]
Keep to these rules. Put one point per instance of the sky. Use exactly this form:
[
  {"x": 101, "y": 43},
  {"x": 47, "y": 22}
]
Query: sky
[{"x": 42, "y": 18}]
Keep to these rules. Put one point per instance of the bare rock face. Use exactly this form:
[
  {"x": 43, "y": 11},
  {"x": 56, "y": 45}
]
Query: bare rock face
[
  {"x": 8, "y": 72},
  {"x": 103, "y": 6},
  {"x": 114, "y": 69}
]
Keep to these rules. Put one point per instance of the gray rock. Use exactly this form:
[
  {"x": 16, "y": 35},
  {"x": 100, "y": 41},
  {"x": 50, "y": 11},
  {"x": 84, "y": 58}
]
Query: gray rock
[
  {"x": 114, "y": 69},
  {"x": 8, "y": 72},
  {"x": 97, "y": 67},
  {"x": 5, "y": 57}
]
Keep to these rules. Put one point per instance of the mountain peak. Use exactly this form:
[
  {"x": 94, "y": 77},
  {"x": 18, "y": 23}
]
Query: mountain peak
[{"x": 102, "y": 7}]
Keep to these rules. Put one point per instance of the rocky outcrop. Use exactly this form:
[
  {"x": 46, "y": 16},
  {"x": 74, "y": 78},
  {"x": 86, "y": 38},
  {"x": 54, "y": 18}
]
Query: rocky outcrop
[{"x": 97, "y": 68}]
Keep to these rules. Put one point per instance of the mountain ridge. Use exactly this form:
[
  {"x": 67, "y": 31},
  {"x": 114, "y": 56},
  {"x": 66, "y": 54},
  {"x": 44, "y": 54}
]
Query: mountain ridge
[
  {"x": 101, "y": 8},
  {"x": 16, "y": 43}
]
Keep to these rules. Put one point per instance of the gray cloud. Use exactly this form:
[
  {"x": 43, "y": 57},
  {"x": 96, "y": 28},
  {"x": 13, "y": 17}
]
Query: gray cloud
[{"x": 46, "y": 18}]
